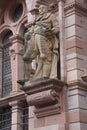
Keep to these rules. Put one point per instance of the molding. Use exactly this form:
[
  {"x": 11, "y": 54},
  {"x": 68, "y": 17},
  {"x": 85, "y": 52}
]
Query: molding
[
  {"x": 17, "y": 104},
  {"x": 77, "y": 85},
  {"x": 75, "y": 6},
  {"x": 47, "y": 96},
  {"x": 17, "y": 39},
  {"x": 18, "y": 97},
  {"x": 42, "y": 84},
  {"x": 50, "y": 110}
]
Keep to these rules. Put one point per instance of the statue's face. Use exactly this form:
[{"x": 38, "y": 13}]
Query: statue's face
[{"x": 42, "y": 9}]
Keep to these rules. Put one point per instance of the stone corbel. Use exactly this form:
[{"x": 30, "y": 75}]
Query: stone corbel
[{"x": 45, "y": 95}]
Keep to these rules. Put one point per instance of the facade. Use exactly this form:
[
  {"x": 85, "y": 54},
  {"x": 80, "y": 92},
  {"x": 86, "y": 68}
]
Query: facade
[{"x": 15, "y": 112}]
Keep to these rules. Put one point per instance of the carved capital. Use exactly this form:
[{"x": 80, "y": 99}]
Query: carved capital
[
  {"x": 16, "y": 49},
  {"x": 17, "y": 39},
  {"x": 12, "y": 52},
  {"x": 16, "y": 105},
  {"x": 78, "y": 84}
]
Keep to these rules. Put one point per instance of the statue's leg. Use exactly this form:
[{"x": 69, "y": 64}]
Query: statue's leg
[
  {"x": 55, "y": 60},
  {"x": 40, "y": 45},
  {"x": 27, "y": 70},
  {"x": 47, "y": 66},
  {"x": 38, "y": 73}
]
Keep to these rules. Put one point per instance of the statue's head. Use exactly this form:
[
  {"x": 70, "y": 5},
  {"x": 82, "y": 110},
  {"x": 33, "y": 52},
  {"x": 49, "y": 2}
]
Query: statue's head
[{"x": 43, "y": 9}]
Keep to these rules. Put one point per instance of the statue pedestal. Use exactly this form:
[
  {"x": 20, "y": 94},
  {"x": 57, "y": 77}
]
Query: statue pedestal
[{"x": 45, "y": 94}]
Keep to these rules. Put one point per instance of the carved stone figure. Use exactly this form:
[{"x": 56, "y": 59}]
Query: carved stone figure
[{"x": 42, "y": 43}]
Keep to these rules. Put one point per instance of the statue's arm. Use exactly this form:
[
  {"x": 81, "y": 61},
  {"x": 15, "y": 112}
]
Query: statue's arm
[{"x": 55, "y": 24}]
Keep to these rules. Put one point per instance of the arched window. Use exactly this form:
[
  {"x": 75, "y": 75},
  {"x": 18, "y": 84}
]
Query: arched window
[
  {"x": 17, "y": 13},
  {"x": 6, "y": 66},
  {"x": 85, "y": 1}
]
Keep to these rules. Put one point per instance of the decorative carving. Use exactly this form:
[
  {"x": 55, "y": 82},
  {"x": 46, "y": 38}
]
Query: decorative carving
[
  {"x": 14, "y": 51},
  {"x": 43, "y": 97},
  {"x": 46, "y": 111},
  {"x": 79, "y": 83},
  {"x": 76, "y": 6}
]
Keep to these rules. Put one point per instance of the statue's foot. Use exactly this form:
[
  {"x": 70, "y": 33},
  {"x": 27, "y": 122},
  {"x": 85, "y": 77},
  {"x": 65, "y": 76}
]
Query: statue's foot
[{"x": 22, "y": 82}]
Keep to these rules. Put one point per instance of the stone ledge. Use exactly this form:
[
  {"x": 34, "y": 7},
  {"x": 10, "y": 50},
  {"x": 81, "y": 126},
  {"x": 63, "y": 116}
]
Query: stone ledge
[{"x": 42, "y": 84}]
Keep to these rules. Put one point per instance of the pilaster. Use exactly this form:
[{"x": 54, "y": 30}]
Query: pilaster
[
  {"x": 75, "y": 17},
  {"x": 17, "y": 65},
  {"x": 62, "y": 40},
  {"x": 0, "y": 70},
  {"x": 16, "y": 115}
]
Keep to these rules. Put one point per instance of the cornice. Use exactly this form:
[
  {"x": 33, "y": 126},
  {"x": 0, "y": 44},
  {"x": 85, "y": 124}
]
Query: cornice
[
  {"x": 76, "y": 7},
  {"x": 18, "y": 97}
]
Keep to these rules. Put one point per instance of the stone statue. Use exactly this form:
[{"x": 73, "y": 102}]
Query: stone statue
[{"x": 41, "y": 43}]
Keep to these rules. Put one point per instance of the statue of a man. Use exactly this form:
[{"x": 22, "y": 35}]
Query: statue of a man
[{"x": 45, "y": 44}]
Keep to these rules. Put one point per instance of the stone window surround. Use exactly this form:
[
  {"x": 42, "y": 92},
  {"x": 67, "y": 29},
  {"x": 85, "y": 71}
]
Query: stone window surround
[{"x": 8, "y": 14}]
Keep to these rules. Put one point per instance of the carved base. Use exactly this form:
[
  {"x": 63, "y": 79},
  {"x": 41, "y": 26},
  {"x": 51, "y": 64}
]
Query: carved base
[
  {"x": 45, "y": 95},
  {"x": 47, "y": 110}
]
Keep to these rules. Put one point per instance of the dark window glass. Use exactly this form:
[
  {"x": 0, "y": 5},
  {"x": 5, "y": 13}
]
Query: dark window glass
[
  {"x": 6, "y": 69},
  {"x": 17, "y": 12},
  {"x": 85, "y": 1},
  {"x": 25, "y": 116},
  {"x": 5, "y": 119}
]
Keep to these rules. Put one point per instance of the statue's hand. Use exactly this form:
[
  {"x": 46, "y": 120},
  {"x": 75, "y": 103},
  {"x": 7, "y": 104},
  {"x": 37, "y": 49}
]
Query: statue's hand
[
  {"x": 25, "y": 58},
  {"x": 48, "y": 32},
  {"x": 42, "y": 56},
  {"x": 34, "y": 22}
]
